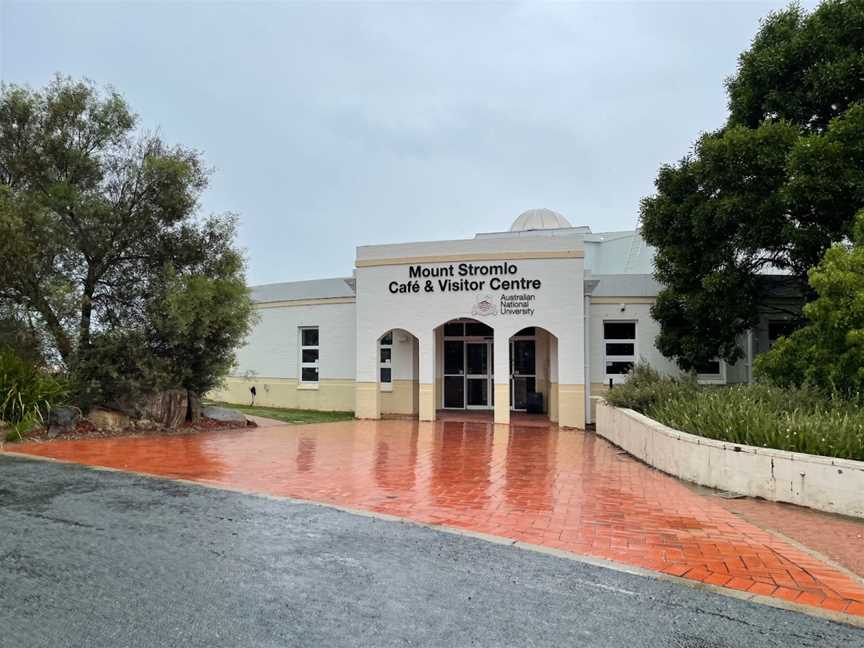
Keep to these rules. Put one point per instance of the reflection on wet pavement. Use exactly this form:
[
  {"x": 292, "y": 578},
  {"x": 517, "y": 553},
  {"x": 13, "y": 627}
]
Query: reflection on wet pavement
[{"x": 559, "y": 488}]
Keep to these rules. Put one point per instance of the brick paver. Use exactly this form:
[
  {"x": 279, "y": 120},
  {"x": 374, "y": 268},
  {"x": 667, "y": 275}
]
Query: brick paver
[{"x": 559, "y": 488}]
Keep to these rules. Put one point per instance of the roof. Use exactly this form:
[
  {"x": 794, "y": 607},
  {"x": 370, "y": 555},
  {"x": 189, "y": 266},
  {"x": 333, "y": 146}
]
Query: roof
[
  {"x": 312, "y": 289},
  {"x": 623, "y": 285},
  {"x": 614, "y": 253}
]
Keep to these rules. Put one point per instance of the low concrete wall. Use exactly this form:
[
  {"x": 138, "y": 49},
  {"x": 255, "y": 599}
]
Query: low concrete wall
[{"x": 824, "y": 483}]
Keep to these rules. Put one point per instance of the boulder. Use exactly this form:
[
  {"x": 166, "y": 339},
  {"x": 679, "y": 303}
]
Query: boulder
[
  {"x": 62, "y": 420},
  {"x": 167, "y": 407},
  {"x": 106, "y": 419},
  {"x": 223, "y": 414}
]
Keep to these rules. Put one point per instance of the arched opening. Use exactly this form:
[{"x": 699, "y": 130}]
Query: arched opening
[
  {"x": 534, "y": 372},
  {"x": 398, "y": 374}
]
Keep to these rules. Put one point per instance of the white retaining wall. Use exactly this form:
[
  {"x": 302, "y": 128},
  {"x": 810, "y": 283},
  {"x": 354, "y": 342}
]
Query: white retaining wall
[{"x": 824, "y": 483}]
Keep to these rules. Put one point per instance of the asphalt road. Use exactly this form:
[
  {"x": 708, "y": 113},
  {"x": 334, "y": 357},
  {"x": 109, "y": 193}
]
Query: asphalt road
[{"x": 92, "y": 558}]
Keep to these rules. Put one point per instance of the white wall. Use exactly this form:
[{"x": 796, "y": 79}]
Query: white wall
[
  {"x": 823, "y": 483},
  {"x": 647, "y": 330},
  {"x": 272, "y": 348},
  {"x": 558, "y": 308}
]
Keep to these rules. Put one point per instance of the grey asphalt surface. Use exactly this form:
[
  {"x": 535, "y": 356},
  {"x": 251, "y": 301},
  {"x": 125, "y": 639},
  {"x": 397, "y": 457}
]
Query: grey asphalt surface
[{"x": 92, "y": 558}]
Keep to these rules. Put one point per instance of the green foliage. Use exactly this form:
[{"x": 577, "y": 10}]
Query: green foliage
[
  {"x": 27, "y": 394},
  {"x": 828, "y": 352},
  {"x": 103, "y": 251},
  {"x": 794, "y": 419},
  {"x": 771, "y": 190},
  {"x": 645, "y": 387}
]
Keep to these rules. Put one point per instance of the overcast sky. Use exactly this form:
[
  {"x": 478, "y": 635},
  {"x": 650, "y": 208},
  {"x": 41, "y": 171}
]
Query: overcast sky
[{"x": 336, "y": 125}]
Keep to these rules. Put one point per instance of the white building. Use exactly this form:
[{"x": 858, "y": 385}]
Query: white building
[{"x": 537, "y": 318}]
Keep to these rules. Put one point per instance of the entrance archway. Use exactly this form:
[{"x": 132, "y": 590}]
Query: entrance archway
[{"x": 534, "y": 372}]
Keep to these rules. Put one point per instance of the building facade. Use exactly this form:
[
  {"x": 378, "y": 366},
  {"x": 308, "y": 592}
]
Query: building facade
[{"x": 538, "y": 318}]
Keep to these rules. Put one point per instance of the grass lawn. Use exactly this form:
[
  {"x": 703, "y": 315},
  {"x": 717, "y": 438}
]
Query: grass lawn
[{"x": 296, "y": 416}]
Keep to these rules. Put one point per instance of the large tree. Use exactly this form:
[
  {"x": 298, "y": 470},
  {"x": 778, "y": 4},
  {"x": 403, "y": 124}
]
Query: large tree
[
  {"x": 767, "y": 193},
  {"x": 102, "y": 244}
]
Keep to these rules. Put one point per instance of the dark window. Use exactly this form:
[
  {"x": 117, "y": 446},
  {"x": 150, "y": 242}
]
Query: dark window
[
  {"x": 526, "y": 332},
  {"x": 310, "y": 374},
  {"x": 779, "y": 328},
  {"x": 310, "y": 355},
  {"x": 478, "y": 329},
  {"x": 387, "y": 339},
  {"x": 310, "y": 337},
  {"x": 454, "y": 329},
  {"x": 454, "y": 391},
  {"x": 619, "y": 330},
  {"x": 710, "y": 368},
  {"x": 618, "y": 367},
  {"x": 454, "y": 357},
  {"x": 385, "y": 375},
  {"x": 386, "y": 354},
  {"x": 620, "y": 349}
]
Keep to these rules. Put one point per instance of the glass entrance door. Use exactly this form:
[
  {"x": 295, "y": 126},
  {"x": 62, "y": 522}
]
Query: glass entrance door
[
  {"x": 478, "y": 375},
  {"x": 523, "y": 372},
  {"x": 454, "y": 374}
]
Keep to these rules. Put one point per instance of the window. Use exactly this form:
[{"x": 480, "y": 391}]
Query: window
[
  {"x": 385, "y": 359},
  {"x": 712, "y": 371},
  {"x": 778, "y": 329},
  {"x": 309, "y": 355},
  {"x": 619, "y": 348}
]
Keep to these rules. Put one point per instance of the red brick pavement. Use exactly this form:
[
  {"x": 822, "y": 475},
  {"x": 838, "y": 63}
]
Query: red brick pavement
[{"x": 538, "y": 484}]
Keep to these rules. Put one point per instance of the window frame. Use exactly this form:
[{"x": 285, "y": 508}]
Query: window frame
[
  {"x": 713, "y": 379},
  {"x": 309, "y": 365},
  {"x": 617, "y": 379},
  {"x": 385, "y": 386}
]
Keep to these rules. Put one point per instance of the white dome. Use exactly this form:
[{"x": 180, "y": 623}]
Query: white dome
[{"x": 539, "y": 219}]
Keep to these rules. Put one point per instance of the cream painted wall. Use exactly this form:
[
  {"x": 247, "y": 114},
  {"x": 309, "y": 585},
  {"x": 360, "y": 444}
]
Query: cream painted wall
[{"x": 330, "y": 395}]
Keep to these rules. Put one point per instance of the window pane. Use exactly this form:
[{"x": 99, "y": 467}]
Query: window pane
[
  {"x": 309, "y": 374},
  {"x": 523, "y": 357},
  {"x": 778, "y": 328},
  {"x": 620, "y": 349},
  {"x": 387, "y": 339},
  {"x": 710, "y": 368},
  {"x": 478, "y": 391},
  {"x": 310, "y": 337},
  {"x": 386, "y": 354},
  {"x": 526, "y": 331},
  {"x": 619, "y": 330},
  {"x": 454, "y": 391},
  {"x": 618, "y": 368},
  {"x": 454, "y": 329},
  {"x": 453, "y": 357},
  {"x": 386, "y": 375},
  {"x": 478, "y": 329},
  {"x": 478, "y": 358},
  {"x": 310, "y": 355}
]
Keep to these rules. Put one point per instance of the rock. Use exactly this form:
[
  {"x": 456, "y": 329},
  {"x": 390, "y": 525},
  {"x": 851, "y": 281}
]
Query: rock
[
  {"x": 105, "y": 419},
  {"x": 194, "y": 412},
  {"x": 167, "y": 407},
  {"x": 62, "y": 420},
  {"x": 223, "y": 414}
]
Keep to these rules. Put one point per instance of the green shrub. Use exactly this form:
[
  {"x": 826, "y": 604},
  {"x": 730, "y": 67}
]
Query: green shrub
[
  {"x": 645, "y": 387},
  {"x": 794, "y": 419},
  {"x": 27, "y": 394}
]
